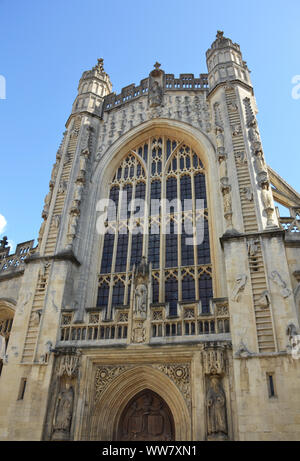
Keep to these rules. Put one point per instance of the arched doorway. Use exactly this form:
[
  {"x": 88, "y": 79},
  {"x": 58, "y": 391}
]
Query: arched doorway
[{"x": 146, "y": 417}]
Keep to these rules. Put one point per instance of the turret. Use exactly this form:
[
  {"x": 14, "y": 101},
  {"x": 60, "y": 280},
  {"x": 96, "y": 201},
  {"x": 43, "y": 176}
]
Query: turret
[
  {"x": 93, "y": 86},
  {"x": 225, "y": 62}
]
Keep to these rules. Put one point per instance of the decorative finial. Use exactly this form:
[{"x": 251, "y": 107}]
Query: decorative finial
[
  {"x": 100, "y": 64},
  {"x": 157, "y": 65},
  {"x": 3, "y": 242},
  {"x": 220, "y": 34}
]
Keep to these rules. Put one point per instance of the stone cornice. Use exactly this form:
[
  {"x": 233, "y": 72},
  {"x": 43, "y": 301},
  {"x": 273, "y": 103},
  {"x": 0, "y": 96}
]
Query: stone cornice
[
  {"x": 84, "y": 112},
  {"x": 266, "y": 234},
  {"x": 233, "y": 82},
  {"x": 62, "y": 256}
]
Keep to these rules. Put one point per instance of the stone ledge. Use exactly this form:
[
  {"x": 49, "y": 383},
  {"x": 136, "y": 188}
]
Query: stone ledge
[
  {"x": 67, "y": 255},
  {"x": 265, "y": 233}
]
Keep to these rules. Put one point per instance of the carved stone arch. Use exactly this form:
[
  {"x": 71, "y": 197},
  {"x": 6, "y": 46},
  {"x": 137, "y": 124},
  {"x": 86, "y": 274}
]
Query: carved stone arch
[
  {"x": 138, "y": 158},
  {"x": 169, "y": 160},
  {"x": 109, "y": 408},
  {"x": 196, "y": 138}
]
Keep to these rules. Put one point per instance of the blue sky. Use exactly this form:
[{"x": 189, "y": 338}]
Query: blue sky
[{"x": 47, "y": 44}]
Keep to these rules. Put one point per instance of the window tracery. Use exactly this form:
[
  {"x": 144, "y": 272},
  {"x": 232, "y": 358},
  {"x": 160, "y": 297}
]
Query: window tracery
[{"x": 158, "y": 169}]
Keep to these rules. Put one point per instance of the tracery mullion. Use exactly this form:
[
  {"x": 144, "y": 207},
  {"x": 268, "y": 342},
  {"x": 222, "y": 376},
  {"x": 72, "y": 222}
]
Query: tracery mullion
[
  {"x": 111, "y": 282},
  {"x": 129, "y": 241},
  {"x": 195, "y": 232},
  {"x": 116, "y": 242},
  {"x": 179, "y": 230},
  {"x": 147, "y": 215},
  {"x": 162, "y": 243}
]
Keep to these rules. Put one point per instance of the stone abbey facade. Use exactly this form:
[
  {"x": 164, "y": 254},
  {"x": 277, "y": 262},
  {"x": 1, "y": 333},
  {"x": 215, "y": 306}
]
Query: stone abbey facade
[{"x": 160, "y": 321}]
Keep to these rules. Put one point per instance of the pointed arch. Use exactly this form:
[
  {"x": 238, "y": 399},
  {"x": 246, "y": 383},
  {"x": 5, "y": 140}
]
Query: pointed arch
[
  {"x": 104, "y": 170},
  {"x": 109, "y": 408}
]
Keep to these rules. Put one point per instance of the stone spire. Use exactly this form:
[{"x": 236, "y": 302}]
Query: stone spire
[
  {"x": 93, "y": 86},
  {"x": 225, "y": 62}
]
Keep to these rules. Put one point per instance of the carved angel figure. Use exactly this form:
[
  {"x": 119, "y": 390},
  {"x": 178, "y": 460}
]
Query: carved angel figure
[
  {"x": 276, "y": 277},
  {"x": 240, "y": 283}
]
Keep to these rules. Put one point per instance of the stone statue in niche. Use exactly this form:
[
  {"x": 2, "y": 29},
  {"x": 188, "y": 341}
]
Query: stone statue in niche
[
  {"x": 78, "y": 192},
  {"x": 267, "y": 202},
  {"x": 223, "y": 172},
  {"x": 72, "y": 227},
  {"x": 140, "y": 307},
  {"x": 216, "y": 410},
  {"x": 155, "y": 94},
  {"x": 227, "y": 204},
  {"x": 47, "y": 202},
  {"x": 63, "y": 414},
  {"x": 239, "y": 285},
  {"x": 226, "y": 198},
  {"x": 254, "y": 135},
  {"x": 266, "y": 196},
  {"x": 220, "y": 139},
  {"x": 260, "y": 163}
]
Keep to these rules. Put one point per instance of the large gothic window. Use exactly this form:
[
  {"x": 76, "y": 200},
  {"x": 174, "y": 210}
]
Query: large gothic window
[{"x": 147, "y": 219}]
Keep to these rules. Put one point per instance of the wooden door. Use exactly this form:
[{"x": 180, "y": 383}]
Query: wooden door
[{"x": 146, "y": 417}]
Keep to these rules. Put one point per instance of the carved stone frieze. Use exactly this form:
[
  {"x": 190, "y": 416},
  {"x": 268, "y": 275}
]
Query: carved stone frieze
[
  {"x": 138, "y": 332},
  {"x": 213, "y": 361},
  {"x": 68, "y": 365},
  {"x": 180, "y": 374},
  {"x": 105, "y": 375},
  {"x": 191, "y": 109}
]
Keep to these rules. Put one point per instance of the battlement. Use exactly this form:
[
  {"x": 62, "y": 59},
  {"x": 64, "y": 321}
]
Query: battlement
[
  {"x": 14, "y": 261},
  {"x": 130, "y": 92}
]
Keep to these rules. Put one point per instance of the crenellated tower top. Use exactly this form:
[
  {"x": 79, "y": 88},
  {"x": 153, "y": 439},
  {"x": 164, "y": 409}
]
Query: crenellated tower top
[
  {"x": 93, "y": 86},
  {"x": 225, "y": 62}
]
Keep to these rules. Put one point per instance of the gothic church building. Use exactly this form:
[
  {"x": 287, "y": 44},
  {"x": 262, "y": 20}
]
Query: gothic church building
[{"x": 163, "y": 323}]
